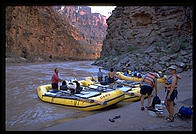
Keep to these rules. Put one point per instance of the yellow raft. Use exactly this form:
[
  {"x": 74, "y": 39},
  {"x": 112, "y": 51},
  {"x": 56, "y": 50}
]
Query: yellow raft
[
  {"x": 94, "y": 102},
  {"x": 131, "y": 93},
  {"x": 128, "y": 78}
]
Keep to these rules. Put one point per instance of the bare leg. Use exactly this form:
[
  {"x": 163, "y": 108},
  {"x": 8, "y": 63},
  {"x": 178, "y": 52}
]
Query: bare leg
[
  {"x": 171, "y": 109},
  {"x": 142, "y": 100},
  {"x": 149, "y": 100},
  {"x": 167, "y": 106}
]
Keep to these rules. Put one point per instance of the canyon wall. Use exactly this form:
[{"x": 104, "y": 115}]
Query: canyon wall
[
  {"x": 148, "y": 38},
  {"x": 40, "y": 33},
  {"x": 92, "y": 26}
]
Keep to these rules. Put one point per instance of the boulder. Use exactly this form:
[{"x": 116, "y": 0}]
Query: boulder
[
  {"x": 180, "y": 64},
  {"x": 182, "y": 52},
  {"x": 173, "y": 56},
  {"x": 164, "y": 58},
  {"x": 157, "y": 66}
]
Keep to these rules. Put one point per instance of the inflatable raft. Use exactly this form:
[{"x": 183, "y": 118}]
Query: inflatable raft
[
  {"x": 130, "y": 78},
  {"x": 87, "y": 100},
  {"x": 131, "y": 93},
  {"x": 130, "y": 89}
]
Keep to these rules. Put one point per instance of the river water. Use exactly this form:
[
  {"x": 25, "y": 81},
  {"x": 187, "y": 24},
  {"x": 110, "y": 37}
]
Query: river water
[{"x": 24, "y": 110}]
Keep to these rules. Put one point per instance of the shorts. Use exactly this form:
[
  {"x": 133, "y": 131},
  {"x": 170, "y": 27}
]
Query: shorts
[
  {"x": 173, "y": 95},
  {"x": 145, "y": 89},
  {"x": 111, "y": 80},
  {"x": 55, "y": 86}
]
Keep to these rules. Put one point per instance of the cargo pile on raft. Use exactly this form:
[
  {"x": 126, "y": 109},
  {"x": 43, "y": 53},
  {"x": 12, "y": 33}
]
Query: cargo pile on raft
[{"x": 92, "y": 94}]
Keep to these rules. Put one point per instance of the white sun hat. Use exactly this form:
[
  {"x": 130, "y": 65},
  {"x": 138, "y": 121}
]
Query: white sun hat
[{"x": 172, "y": 67}]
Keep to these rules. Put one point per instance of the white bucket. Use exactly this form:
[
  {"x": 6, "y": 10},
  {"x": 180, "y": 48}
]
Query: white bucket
[{"x": 159, "y": 106}]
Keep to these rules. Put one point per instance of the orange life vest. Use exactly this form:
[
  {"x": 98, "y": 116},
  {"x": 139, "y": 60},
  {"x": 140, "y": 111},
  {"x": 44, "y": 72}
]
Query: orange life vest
[
  {"x": 150, "y": 79},
  {"x": 168, "y": 83}
]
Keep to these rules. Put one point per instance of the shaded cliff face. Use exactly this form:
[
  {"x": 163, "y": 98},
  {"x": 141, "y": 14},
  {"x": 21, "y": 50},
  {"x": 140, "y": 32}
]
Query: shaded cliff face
[
  {"x": 39, "y": 32},
  {"x": 92, "y": 26},
  {"x": 148, "y": 38}
]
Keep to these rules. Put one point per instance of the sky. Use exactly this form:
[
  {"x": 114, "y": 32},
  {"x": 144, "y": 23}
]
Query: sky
[{"x": 104, "y": 10}]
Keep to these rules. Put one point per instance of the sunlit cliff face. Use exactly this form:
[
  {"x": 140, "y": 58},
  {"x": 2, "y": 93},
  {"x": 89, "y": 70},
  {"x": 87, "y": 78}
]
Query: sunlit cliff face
[{"x": 42, "y": 32}]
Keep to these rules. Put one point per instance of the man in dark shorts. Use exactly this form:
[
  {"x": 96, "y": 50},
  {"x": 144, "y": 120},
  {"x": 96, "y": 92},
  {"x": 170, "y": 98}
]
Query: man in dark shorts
[
  {"x": 148, "y": 83},
  {"x": 55, "y": 79}
]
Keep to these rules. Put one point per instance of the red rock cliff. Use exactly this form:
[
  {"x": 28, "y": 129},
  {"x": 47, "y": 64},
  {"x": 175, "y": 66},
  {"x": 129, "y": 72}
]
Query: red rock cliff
[
  {"x": 37, "y": 31},
  {"x": 92, "y": 26}
]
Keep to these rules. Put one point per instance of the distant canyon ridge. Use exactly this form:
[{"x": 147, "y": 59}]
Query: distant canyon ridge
[{"x": 40, "y": 33}]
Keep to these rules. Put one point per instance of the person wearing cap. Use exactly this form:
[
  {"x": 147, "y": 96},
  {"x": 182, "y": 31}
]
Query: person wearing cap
[
  {"x": 171, "y": 88},
  {"x": 100, "y": 75},
  {"x": 148, "y": 83}
]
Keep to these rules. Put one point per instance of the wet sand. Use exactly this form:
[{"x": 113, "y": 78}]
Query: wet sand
[{"x": 132, "y": 118}]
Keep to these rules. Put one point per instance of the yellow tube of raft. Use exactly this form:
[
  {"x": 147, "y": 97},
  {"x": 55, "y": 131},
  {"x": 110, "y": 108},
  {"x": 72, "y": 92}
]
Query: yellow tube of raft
[
  {"x": 110, "y": 98},
  {"x": 127, "y": 97},
  {"x": 135, "y": 79}
]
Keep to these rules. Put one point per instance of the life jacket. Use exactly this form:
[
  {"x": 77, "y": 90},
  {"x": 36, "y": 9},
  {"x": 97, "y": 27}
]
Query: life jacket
[
  {"x": 168, "y": 82},
  {"x": 150, "y": 79}
]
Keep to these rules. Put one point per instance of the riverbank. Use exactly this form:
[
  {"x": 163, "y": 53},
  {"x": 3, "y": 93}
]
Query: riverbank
[
  {"x": 132, "y": 118},
  {"x": 15, "y": 59}
]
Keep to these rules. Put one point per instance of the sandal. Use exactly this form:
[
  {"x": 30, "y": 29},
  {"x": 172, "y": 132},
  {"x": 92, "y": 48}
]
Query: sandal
[
  {"x": 150, "y": 107},
  {"x": 142, "y": 108},
  {"x": 169, "y": 119},
  {"x": 111, "y": 120},
  {"x": 116, "y": 117}
]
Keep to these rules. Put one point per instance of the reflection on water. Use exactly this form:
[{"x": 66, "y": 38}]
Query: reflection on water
[{"x": 24, "y": 110}]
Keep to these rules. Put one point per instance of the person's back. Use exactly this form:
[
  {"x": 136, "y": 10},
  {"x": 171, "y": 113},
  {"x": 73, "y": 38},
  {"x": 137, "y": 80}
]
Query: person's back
[
  {"x": 149, "y": 81},
  {"x": 63, "y": 86},
  {"x": 111, "y": 77}
]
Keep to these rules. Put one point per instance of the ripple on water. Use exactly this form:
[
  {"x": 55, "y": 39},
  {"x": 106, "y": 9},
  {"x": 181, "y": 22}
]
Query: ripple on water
[{"x": 23, "y": 107}]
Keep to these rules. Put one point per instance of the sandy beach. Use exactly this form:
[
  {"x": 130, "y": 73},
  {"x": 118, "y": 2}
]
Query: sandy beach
[{"x": 132, "y": 118}]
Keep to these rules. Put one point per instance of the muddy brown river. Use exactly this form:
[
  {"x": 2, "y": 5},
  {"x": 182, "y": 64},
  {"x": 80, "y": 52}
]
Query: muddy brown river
[{"x": 24, "y": 110}]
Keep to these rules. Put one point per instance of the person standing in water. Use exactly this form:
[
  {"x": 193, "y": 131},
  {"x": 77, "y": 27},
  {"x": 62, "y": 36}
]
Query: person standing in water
[
  {"x": 171, "y": 88},
  {"x": 55, "y": 79}
]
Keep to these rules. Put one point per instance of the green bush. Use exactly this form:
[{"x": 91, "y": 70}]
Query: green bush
[{"x": 183, "y": 45}]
